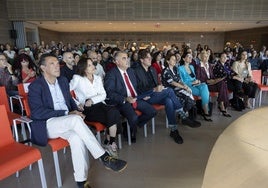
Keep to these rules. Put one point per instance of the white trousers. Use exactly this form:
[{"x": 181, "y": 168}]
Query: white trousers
[{"x": 75, "y": 131}]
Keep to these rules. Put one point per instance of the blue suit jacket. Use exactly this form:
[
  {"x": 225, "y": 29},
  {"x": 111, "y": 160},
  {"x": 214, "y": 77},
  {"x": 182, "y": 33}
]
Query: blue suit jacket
[
  {"x": 185, "y": 77},
  {"x": 42, "y": 108},
  {"x": 115, "y": 86}
]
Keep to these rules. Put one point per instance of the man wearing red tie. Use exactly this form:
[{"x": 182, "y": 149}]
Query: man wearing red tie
[{"x": 120, "y": 85}]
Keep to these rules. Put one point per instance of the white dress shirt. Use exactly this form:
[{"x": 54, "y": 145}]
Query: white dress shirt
[{"x": 84, "y": 89}]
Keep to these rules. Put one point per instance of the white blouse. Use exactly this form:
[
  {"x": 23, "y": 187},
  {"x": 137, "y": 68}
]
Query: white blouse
[
  {"x": 242, "y": 69},
  {"x": 10, "y": 54},
  {"x": 84, "y": 89}
]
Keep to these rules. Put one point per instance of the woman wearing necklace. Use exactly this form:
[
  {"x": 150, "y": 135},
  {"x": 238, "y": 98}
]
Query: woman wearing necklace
[
  {"x": 205, "y": 74},
  {"x": 90, "y": 93},
  {"x": 187, "y": 74},
  {"x": 243, "y": 80}
]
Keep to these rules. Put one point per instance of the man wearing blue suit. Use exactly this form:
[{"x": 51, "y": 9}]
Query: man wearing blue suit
[
  {"x": 55, "y": 114},
  {"x": 125, "y": 97}
]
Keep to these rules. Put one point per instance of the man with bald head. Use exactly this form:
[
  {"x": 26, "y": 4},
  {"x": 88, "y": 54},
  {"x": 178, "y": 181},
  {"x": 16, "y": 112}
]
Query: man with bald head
[
  {"x": 68, "y": 69},
  {"x": 94, "y": 58}
]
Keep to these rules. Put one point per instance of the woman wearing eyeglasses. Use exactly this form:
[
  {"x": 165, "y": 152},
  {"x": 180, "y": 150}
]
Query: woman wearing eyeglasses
[{"x": 7, "y": 78}]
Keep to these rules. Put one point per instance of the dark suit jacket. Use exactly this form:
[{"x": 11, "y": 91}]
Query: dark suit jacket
[
  {"x": 68, "y": 73},
  {"x": 144, "y": 86},
  {"x": 115, "y": 86},
  {"x": 202, "y": 75},
  {"x": 42, "y": 108}
]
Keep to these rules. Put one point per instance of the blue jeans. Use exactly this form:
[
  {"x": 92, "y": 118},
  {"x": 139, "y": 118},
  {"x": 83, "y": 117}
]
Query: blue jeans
[{"x": 168, "y": 98}]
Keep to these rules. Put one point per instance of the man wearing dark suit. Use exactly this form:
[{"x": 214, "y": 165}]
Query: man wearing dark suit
[
  {"x": 156, "y": 94},
  {"x": 119, "y": 94},
  {"x": 55, "y": 114}
]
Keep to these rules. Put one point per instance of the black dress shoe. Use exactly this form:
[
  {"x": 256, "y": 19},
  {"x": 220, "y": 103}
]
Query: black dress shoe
[
  {"x": 176, "y": 136},
  {"x": 206, "y": 117}
]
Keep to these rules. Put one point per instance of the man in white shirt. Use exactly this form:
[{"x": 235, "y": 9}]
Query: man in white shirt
[{"x": 55, "y": 114}]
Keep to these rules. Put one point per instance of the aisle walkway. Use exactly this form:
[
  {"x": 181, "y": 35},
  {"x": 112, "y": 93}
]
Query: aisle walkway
[{"x": 153, "y": 162}]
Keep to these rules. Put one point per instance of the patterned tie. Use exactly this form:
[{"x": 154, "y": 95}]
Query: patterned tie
[{"x": 131, "y": 89}]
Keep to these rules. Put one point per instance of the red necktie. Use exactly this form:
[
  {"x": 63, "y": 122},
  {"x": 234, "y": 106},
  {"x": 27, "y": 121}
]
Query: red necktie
[
  {"x": 132, "y": 92},
  {"x": 131, "y": 89}
]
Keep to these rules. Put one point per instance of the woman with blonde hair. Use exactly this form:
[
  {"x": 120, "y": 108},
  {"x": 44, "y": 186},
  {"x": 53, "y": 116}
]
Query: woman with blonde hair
[{"x": 205, "y": 74}]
